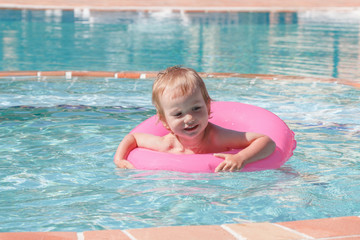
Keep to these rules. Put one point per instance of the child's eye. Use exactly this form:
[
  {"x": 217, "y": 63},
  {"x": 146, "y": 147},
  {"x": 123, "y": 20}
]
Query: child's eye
[
  {"x": 177, "y": 114},
  {"x": 196, "y": 108}
]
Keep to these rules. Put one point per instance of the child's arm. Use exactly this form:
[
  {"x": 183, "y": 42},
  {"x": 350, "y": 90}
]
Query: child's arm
[
  {"x": 123, "y": 150},
  {"x": 131, "y": 141},
  {"x": 257, "y": 146}
]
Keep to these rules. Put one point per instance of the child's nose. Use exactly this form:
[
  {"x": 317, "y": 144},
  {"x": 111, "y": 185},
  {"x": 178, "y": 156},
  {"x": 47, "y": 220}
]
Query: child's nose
[{"x": 189, "y": 118}]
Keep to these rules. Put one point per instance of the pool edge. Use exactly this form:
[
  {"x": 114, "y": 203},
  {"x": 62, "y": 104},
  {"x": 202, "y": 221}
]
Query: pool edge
[
  {"x": 182, "y": 7},
  {"x": 347, "y": 227},
  {"x": 152, "y": 74}
]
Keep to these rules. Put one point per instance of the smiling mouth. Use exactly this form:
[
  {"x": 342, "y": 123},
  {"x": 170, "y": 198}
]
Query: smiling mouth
[{"x": 191, "y": 128}]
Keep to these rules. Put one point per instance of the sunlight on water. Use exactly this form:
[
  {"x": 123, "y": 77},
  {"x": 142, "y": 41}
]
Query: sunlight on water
[
  {"x": 58, "y": 136},
  {"x": 57, "y": 170},
  {"x": 301, "y": 44}
]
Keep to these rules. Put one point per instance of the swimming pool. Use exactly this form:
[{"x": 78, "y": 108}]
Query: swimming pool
[
  {"x": 58, "y": 135},
  {"x": 301, "y": 44}
]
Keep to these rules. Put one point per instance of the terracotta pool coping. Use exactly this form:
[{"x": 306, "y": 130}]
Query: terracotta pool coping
[
  {"x": 329, "y": 228},
  {"x": 147, "y": 75},
  {"x": 184, "y": 5}
]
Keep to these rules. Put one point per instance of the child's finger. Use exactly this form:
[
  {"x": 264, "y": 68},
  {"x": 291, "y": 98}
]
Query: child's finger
[
  {"x": 220, "y": 167},
  {"x": 124, "y": 164},
  {"x": 220, "y": 155},
  {"x": 129, "y": 165}
]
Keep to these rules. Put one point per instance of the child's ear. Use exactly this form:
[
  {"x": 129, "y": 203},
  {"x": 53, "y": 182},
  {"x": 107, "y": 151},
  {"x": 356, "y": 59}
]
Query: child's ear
[{"x": 208, "y": 105}]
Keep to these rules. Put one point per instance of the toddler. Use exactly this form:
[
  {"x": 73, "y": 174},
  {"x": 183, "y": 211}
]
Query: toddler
[{"x": 183, "y": 107}]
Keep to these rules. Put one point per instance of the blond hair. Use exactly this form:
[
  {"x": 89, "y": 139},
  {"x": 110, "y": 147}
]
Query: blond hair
[{"x": 183, "y": 81}]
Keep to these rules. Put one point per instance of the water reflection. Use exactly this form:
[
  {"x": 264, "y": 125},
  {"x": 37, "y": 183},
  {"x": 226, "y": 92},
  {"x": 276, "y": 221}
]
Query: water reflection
[{"x": 306, "y": 43}]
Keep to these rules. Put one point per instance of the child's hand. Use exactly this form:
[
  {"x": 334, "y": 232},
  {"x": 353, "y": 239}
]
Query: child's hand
[
  {"x": 230, "y": 163},
  {"x": 124, "y": 164}
]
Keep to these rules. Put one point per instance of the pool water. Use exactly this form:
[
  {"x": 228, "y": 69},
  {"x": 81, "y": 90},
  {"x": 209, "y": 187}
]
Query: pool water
[
  {"x": 57, "y": 145},
  {"x": 58, "y": 136},
  {"x": 323, "y": 44}
]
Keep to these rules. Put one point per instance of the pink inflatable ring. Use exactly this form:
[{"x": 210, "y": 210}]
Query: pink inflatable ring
[{"x": 232, "y": 115}]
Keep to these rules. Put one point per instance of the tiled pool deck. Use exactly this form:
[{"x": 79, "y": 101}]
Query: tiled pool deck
[
  {"x": 191, "y": 5},
  {"x": 344, "y": 228}
]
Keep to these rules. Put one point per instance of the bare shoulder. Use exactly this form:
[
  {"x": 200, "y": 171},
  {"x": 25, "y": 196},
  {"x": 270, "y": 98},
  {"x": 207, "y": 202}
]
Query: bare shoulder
[
  {"x": 223, "y": 133},
  {"x": 153, "y": 142},
  {"x": 234, "y": 139},
  {"x": 228, "y": 138}
]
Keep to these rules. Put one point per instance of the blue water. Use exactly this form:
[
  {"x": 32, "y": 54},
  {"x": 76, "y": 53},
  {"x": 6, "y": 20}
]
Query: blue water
[
  {"x": 303, "y": 44},
  {"x": 58, "y": 136}
]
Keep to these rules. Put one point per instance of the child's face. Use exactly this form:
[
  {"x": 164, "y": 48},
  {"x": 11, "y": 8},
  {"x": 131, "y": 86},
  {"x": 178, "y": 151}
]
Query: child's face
[{"x": 186, "y": 116}]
